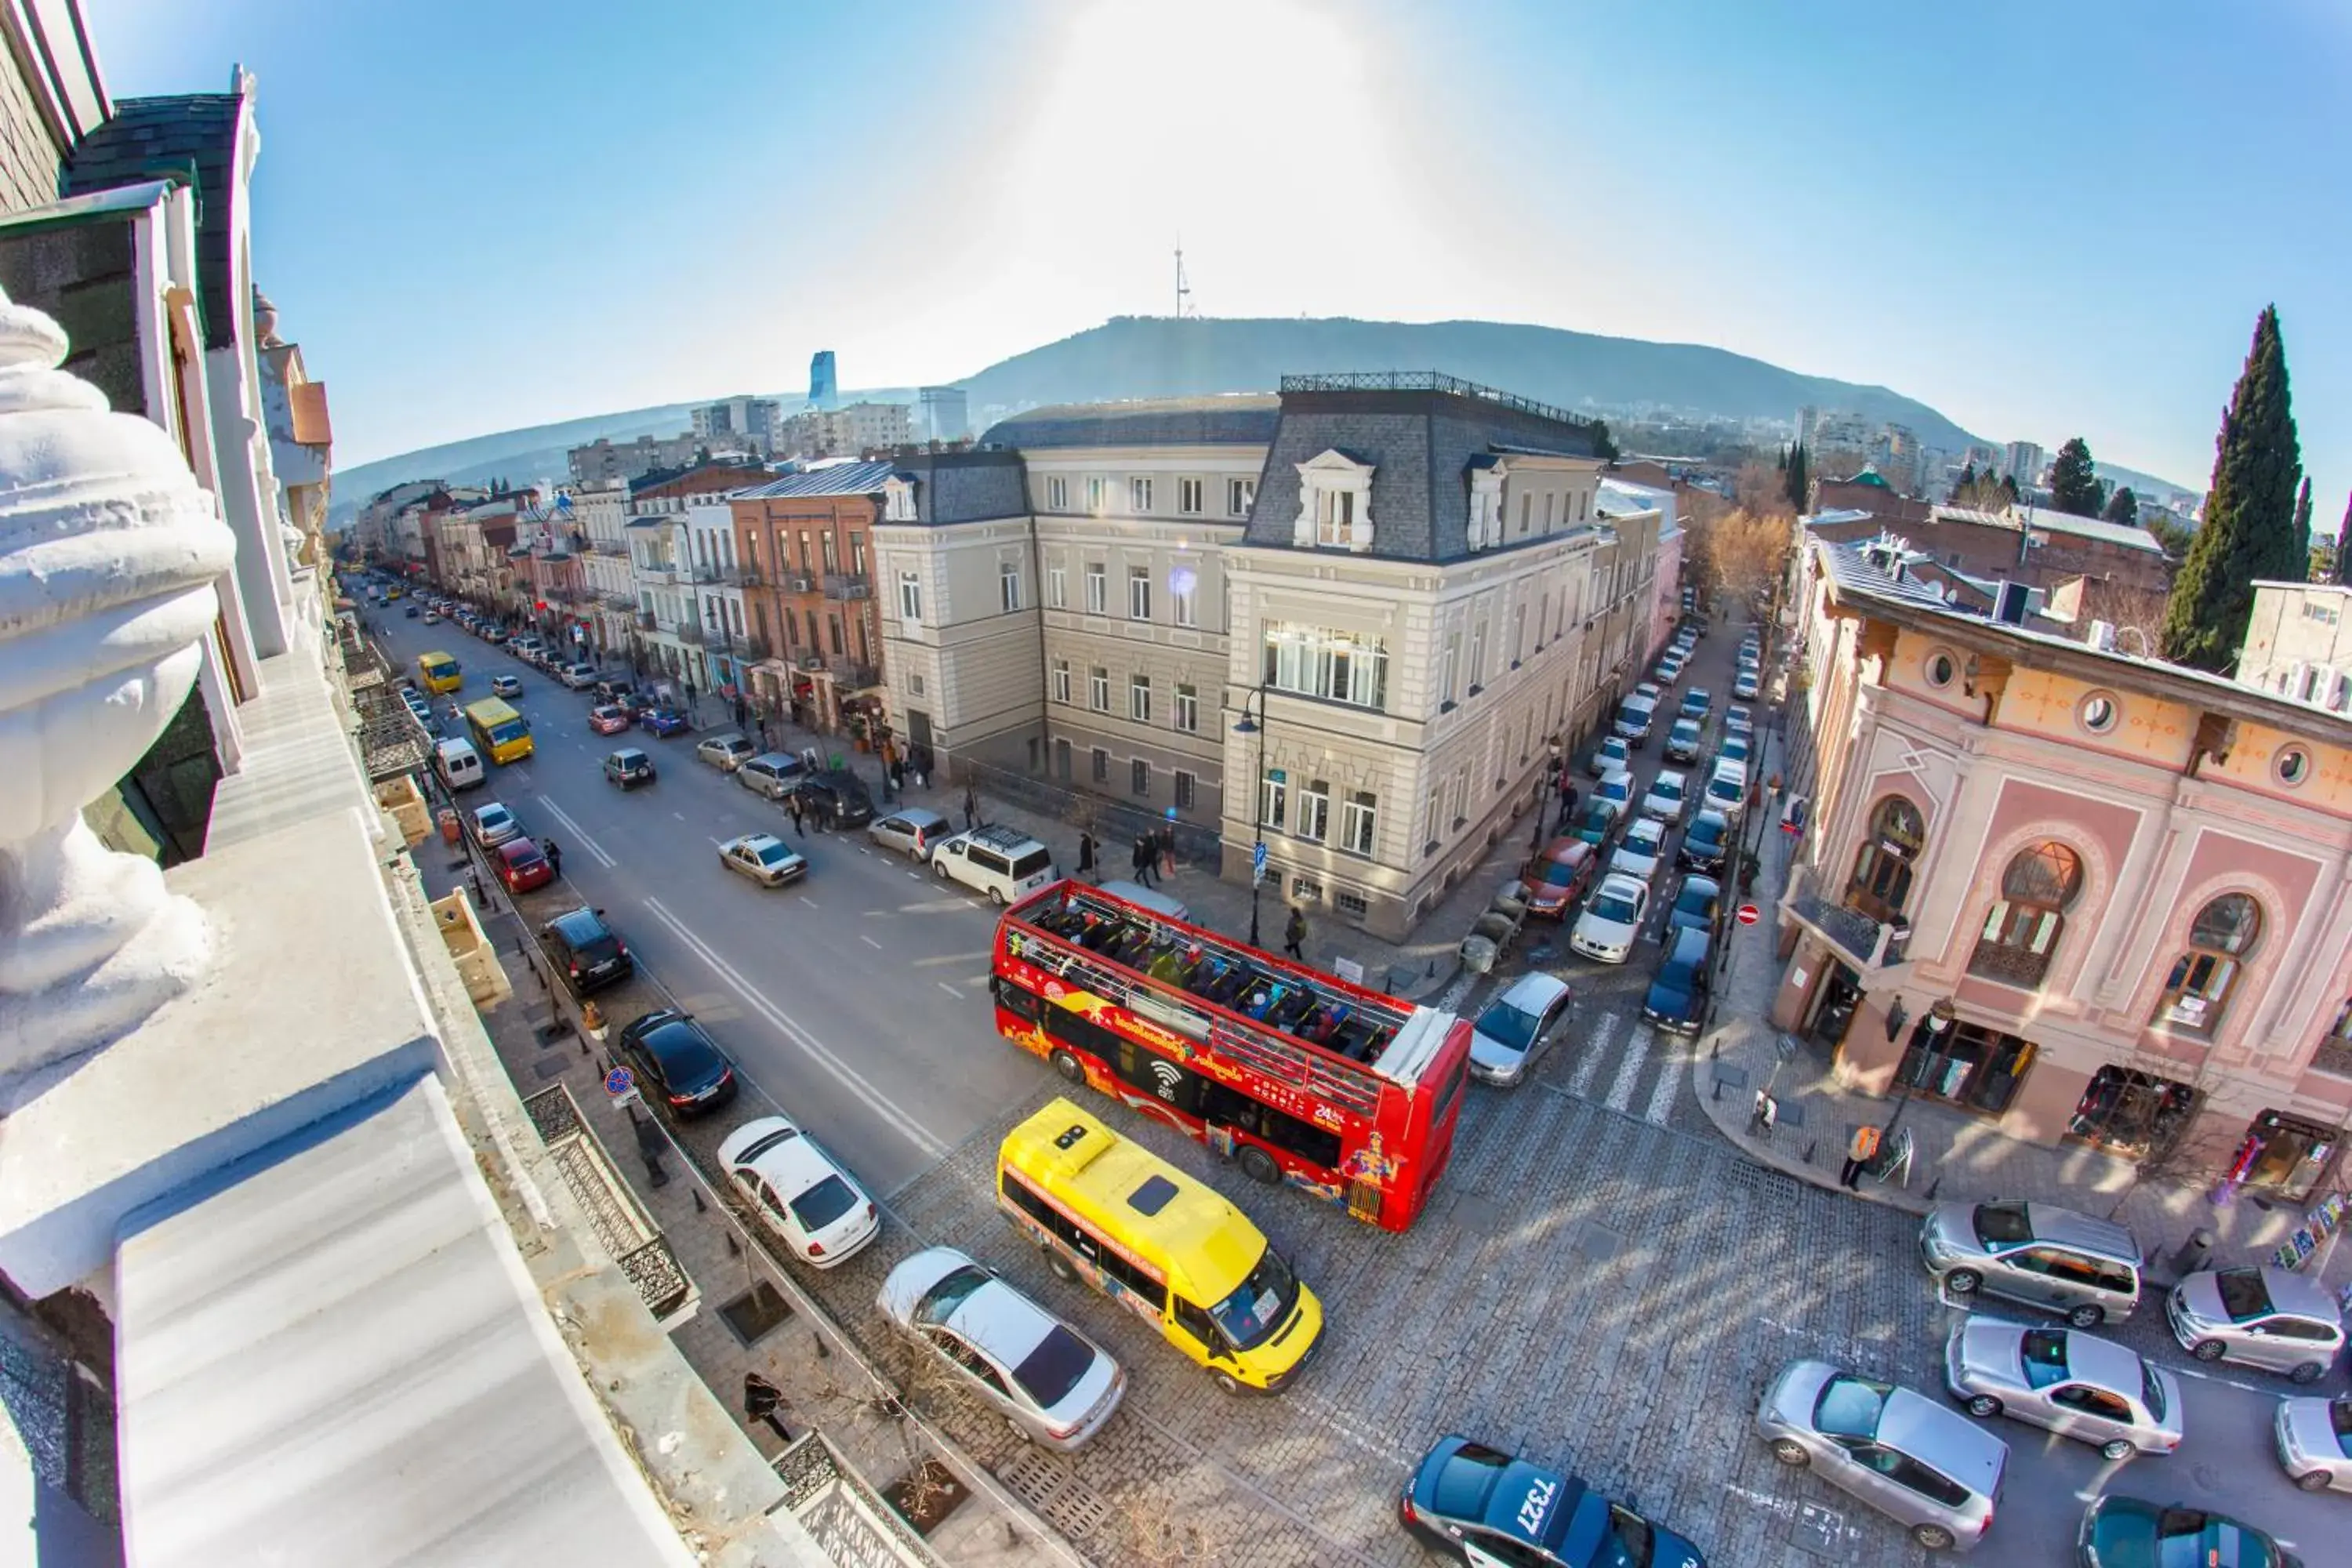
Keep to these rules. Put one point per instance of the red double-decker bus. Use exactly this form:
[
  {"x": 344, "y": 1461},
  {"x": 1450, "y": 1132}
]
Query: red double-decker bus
[{"x": 1296, "y": 1076}]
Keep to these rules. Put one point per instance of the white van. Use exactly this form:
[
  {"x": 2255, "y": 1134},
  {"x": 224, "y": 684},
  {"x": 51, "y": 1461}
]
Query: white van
[
  {"x": 459, "y": 765},
  {"x": 1006, "y": 865},
  {"x": 1635, "y": 716}
]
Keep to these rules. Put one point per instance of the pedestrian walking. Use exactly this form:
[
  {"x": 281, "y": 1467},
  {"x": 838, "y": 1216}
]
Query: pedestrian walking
[
  {"x": 1086, "y": 857},
  {"x": 898, "y": 774},
  {"x": 1294, "y": 934},
  {"x": 823, "y": 809},
  {"x": 548, "y": 848},
  {"x": 971, "y": 805},
  {"x": 1858, "y": 1154},
  {"x": 1139, "y": 860},
  {"x": 793, "y": 804},
  {"x": 1168, "y": 849}
]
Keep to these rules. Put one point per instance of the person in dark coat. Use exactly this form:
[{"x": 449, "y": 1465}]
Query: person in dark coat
[
  {"x": 793, "y": 804},
  {"x": 970, "y": 807},
  {"x": 1142, "y": 860},
  {"x": 1294, "y": 934},
  {"x": 1086, "y": 856},
  {"x": 547, "y": 847}
]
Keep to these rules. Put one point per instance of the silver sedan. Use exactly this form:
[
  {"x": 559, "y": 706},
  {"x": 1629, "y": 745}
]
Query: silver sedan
[
  {"x": 2315, "y": 1443},
  {"x": 2262, "y": 1317},
  {"x": 2079, "y": 1386},
  {"x": 764, "y": 857},
  {"x": 1902, "y": 1453}
]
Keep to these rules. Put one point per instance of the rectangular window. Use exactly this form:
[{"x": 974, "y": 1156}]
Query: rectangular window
[
  {"x": 1061, "y": 681},
  {"x": 1188, "y": 497},
  {"x": 1139, "y": 776},
  {"x": 1354, "y": 906},
  {"x": 1184, "y": 783},
  {"x": 1138, "y": 699},
  {"x": 1056, "y": 588},
  {"x": 910, "y": 599},
  {"x": 1058, "y": 492},
  {"x": 1098, "y": 689},
  {"x": 1277, "y": 796},
  {"x": 1101, "y": 763},
  {"x": 1315, "y": 811},
  {"x": 915, "y": 684},
  {"x": 1239, "y": 495},
  {"x": 1183, "y": 596},
  {"x": 1139, "y": 593},
  {"x": 1356, "y": 821},
  {"x": 1097, "y": 495},
  {"x": 1008, "y": 584},
  {"x": 1188, "y": 710},
  {"x": 1098, "y": 589},
  {"x": 1335, "y": 518},
  {"x": 1526, "y": 509},
  {"x": 1318, "y": 661},
  {"x": 1478, "y": 656},
  {"x": 1518, "y": 633},
  {"x": 1139, "y": 497},
  {"x": 1549, "y": 498}
]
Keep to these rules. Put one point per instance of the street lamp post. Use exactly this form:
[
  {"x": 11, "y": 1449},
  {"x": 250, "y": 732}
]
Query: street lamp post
[
  {"x": 1938, "y": 1024},
  {"x": 1257, "y": 810}
]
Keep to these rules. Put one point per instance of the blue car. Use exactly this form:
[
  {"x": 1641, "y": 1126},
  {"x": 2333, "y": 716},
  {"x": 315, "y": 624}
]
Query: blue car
[
  {"x": 663, "y": 721},
  {"x": 1677, "y": 998},
  {"x": 1481, "y": 1505}
]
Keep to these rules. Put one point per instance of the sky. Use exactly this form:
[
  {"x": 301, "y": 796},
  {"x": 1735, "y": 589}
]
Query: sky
[{"x": 2044, "y": 220}]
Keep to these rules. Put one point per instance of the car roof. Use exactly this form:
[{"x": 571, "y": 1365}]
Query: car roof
[
  {"x": 491, "y": 808},
  {"x": 2067, "y": 1228},
  {"x": 1665, "y": 773},
  {"x": 2103, "y": 1361},
  {"x": 755, "y": 841},
  {"x": 793, "y": 1166},
  {"x": 1689, "y": 945},
  {"x": 1001, "y": 1321},
  {"x": 2304, "y": 1297},
  {"x": 581, "y": 924},
  {"x": 1648, "y": 827},
  {"x": 1534, "y": 991},
  {"x": 1566, "y": 850},
  {"x": 626, "y": 752},
  {"x": 1915, "y": 1424},
  {"x": 1624, "y": 884},
  {"x": 728, "y": 739},
  {"x": 518, "y": 849},
  {"x": 920, "y": 816}
]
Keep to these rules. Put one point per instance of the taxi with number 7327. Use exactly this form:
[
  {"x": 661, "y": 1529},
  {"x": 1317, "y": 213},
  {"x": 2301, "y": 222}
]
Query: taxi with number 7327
[{"x": 1490, "y": 1509}]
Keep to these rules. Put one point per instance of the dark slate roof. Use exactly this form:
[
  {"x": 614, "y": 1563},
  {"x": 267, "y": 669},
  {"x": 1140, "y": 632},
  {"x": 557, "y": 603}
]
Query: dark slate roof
[
  {"x": 964, "y": 486},
  {"x": 190, "y": 137},
  {"x": 1422, "y": 442},
  {"x": 1244, "y": 419},
  {"x": 859, "y": 478}
]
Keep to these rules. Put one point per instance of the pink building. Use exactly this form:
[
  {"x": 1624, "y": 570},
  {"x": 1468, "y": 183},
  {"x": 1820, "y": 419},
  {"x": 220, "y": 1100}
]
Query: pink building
[{"x": 2081, "y": 897}]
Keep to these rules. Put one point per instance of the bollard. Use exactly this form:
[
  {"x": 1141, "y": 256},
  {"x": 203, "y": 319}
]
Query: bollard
[
  {"x": 1810, "y": 1148},
  {"x": 699, "y": 1206},
  {"x": 1933, "y": 1185},
  {"x": 734, "y": 1250},
  {"x": 823, "y": 1350},
  {"x": 1717, "y": 1095}
]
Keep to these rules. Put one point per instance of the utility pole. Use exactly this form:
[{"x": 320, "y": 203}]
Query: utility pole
[{"x": 1183, "y": 289}]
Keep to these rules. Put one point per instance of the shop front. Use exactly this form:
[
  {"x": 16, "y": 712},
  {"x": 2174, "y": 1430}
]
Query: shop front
[
  {"x": 2281, "y": 1154},
  {"x": 1966, "y": 1066},
  {"x": 2132, "y": 1114}
]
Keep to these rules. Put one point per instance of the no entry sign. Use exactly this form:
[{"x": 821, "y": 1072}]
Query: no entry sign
[{"x": 1746, "y": 914}]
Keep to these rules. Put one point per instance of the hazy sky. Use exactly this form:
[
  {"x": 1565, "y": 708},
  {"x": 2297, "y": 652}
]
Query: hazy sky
[{"x": 2043, "y": 219}]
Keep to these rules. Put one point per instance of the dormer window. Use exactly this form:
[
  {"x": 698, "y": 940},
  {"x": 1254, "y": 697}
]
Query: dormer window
[
  {"x": 1486, "y": 477},
  {"x": 898, "y": 500},
  {"x": 1335, "y": 494}
]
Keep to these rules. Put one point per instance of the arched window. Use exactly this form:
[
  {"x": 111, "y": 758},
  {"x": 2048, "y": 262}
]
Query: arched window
[
  {"x": 2223, "y": 934},
  {"x": 2020, "y": 929},
  {"x": 1881, "y": 868}
]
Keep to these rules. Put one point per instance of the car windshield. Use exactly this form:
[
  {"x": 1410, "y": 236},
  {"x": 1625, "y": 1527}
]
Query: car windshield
[
  {"x": 1630, "y": 1542},
  {"x": 823, "y": 1203},
  {"x": 1048, "y": 1372},
  {"x": 1248, "y": 1316},
  {"x": 2151, "y": 1390},
  {"x": 685, "y": 1057},
  {"x": 939, "y": 1302},
  {"x": 2243, "y": 1295},
  {"x": 1508, "y": 1025},
  {"x": 2003, "y": 1225},
  {"x": 1614, "y": 907},
  {"x": 1553, "y": 873},
  {"x": 1850, "y": 1406},
  {"x": 1703, "y": 832},
  {"x": 1668, "y": 789}
]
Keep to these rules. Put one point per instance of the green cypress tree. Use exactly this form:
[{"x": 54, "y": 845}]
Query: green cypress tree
[
  {"x": 2249, "y": 531},
  {"x": 2123, "y": 508},
  {"x": 2074, "y": 479},
  {"x": 1799, "y": 485},
  {"x": 2302, "y": 522}
]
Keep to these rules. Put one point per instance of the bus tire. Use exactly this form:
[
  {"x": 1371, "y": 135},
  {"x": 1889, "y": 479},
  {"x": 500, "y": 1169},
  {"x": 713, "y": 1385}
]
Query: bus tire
[
  {"x": 1064, "y": 1269},
  {"x": 1258, "y": 1164},
  {"x": 1070, "y": 1067}
]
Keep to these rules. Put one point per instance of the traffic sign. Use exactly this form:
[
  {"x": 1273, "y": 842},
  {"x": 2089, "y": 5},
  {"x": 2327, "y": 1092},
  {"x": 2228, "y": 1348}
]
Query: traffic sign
[
  {"x": 1258, "y": 863},
  {"x": 622, "y": 1085},
  {"x": 1747, "y": 915}
]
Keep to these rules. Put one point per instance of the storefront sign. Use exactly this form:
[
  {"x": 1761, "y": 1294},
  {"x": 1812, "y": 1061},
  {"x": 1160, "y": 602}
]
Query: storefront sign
[{"x": 2317, "y": 1225}]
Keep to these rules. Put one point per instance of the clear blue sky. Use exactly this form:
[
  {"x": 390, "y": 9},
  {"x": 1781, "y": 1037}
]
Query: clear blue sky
[{"x": 2043, "y": 219}]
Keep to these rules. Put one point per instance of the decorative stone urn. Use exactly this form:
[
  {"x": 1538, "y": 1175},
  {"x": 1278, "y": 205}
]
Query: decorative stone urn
[{"x": 109, "y": 551}]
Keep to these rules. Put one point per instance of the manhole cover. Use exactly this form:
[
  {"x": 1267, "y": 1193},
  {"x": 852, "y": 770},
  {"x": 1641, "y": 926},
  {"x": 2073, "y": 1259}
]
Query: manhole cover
[
  {"x": 756, "y": 1312},
  {"x": 1790, "y": 1115},
  {"x": 551, "y": 1064},
  {"x": 1730, "y": 1076},
  {"x": 1597, "y": 1245},
  {"x": 1476, "y": 1212}
]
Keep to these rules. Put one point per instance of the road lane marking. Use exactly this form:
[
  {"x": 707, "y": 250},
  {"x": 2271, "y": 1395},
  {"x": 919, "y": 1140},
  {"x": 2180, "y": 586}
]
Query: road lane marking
[
  {"x": 1670, "y": 1080},
  {"x": 870, "y": 941},
  {"x": 1629, "y": 1070},
  {"x": 848, "y": 1078},
  {"x": 950, "y": 990},
  {"x": 928, "y": 906},
  {"x": 809, "y": 902},
  {"x": 1588, "y": 1065},
  {"x": 579, "y": 834},
  {"x": 949, "y": 958}
]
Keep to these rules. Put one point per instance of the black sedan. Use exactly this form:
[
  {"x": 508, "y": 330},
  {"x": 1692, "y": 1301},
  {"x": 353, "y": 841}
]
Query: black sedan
[
  {"x": 588, "y": 954},
  {"x": 1677, "y": 998},
  {"x": 1481, "y": 1505},
  {"x": 679, "y": 1062},
  {"x": 1704, "y": 842}
]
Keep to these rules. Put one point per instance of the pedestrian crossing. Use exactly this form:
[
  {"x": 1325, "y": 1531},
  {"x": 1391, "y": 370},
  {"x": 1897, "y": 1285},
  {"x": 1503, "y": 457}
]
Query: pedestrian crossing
[{"x": 1625, "y": 1065}]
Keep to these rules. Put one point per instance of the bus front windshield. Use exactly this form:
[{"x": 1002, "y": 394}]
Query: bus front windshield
[
  {"x": 511, "y": 730},
  {"x": 1258, "y": 1306}
]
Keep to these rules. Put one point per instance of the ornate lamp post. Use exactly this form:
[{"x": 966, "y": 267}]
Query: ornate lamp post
[{"x": 1257, "y": 811}]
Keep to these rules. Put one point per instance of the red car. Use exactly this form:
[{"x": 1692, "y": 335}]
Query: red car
[
  {"x": 608, "y": 719},
  {"x": 521, "y": 865},
  {"x": 1552, "y": 881}
]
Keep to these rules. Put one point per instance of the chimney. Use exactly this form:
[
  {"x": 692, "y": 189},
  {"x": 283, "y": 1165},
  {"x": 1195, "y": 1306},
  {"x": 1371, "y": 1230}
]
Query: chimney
[{"x": 2102, "y": 636}]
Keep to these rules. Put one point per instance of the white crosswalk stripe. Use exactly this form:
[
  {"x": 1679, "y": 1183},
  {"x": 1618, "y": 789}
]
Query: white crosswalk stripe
[
  {"x": 1591, "y": 1053},
  {"x": 1670, "y": 1077},
  {"x": 1629, "y": 1068}
]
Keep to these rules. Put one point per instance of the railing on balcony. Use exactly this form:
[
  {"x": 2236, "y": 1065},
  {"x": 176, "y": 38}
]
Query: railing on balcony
[
  {"x": 801, "y": 582},
  {"x": 646, "y": 620},
  {"x": 627, "y": 602},
  {"x": 608, "y": 547},
  {"x": 846, "y": 585},
  {"x": 1869, "y": 942},
  {"x": 750, "y": 576},
  {"x": 755, "y": 648},
  {"x": 665, "y": 573},
  {"x": 622, "y": 1224},
  {"x": 2011, "y": 965},
  {"x": 687, "y": 632},
  {"x": 851, "y": 675}
]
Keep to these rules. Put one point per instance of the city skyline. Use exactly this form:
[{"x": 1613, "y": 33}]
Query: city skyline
[{"x": 500, "y": 239}]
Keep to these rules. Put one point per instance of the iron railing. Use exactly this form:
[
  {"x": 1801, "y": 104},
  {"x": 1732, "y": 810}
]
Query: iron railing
[
  {"x": 846, "y": 585},
  {"x": 856, "y": 677},
  {"x": 687, "y": 632},
  {"x": 755, "y": 648},
  {"x": 1430, "y": 380},
  {"x": 608, "y": 547},
  {"x": 2010, "y": 966}
]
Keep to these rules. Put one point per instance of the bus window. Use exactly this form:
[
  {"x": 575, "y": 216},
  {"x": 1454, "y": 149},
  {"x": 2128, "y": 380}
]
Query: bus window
[
  {"x": 1317, "y": 1145},
  {"x": 1197, "y": 1324},
  {"x": 1017, "y": 1002},
  {"x": 1084, "y": 1033}
]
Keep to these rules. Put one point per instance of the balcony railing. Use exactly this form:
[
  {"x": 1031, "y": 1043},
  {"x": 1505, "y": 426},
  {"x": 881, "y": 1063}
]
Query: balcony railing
[
  {"x": 608, "y": 547},
  {"x": 2010, "y": 966},
  {"x": 1870, "y": 943},
  {"x": 851, "y": 675},
  {"x": 755, "y": 648},
  {"x": 666, "y": 574},
  {"x": 750, "y": 576},
  {"x": 627, "y": 602},
  {"x": 621, "y": 1224},
  {"x": 646, "y": 620},
  {"x": 846, "y": 585},
  {"x": 687, "y": 632}
]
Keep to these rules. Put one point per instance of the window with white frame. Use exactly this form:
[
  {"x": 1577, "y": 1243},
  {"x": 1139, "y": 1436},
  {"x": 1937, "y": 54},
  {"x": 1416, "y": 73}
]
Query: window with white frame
[
  {"x": 1314, "y": 811},
  {"x": 1478, "y": 656},
  {"x": 1097, "y": 588},
  {"x": 1431, "y": 819},
  {"x": 1335, "y": 519},
  {"x": 1058, "y": 492},
  {"x": 1139, "y": 593},
  {"x": 1461, "y": 795},
  {"x": 1061, "y": 681},
  {"x": 1100, "y": 765},
  {"x": 1139, "y": 776},
  {"x": 1450, "y": 672},
  {"x": 1240, "y": 494},
  {"x": 1185, "y": 790},
  {"x": 1097, "y": 495},
  {"x": 1320, "y": 661},
  {"x": 1188, "y": 708},
  {"x": 910, "y": 599},
  {"x": 1188, "y": 497},
  {"x": 1139, "y": 496},
  {"x": 1098, "y": 689},
  {"x": 1183, "y": 596},
  {"x": 1359, "y": 817},
  {"x": 1138, "y": 699},
  {"x": 1276, "y": 797},
  {"x": 1056, "y": 588},
  {"x": 1518, "y": 632},
  {"x": 1335, "y": 494},
  {"x": 1008, "y": 584}
]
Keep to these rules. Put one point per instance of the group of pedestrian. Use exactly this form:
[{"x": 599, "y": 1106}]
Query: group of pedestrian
[
  {"x": 818, "y": 808},
  {"x": 1155, "y": 855}
]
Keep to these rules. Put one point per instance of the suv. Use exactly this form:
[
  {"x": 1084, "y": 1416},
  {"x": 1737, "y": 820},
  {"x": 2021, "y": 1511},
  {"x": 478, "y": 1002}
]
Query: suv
[
  {"x": 841, "y": 791},
  {"x": 2086, "y": 1268},
  {"x": 1002, "y": 862},
  {"x": 587, "y": 953},
  {"x": 772, "y": 774}
]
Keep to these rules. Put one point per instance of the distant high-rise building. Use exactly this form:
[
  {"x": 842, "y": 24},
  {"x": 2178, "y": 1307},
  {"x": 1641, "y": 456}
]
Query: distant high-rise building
[
  {"x": 2021, "y": 461},
  {"x": 748, "y": 423},
  {"x": 946, "y": 414},
  {"x": 825, "y": 385}
]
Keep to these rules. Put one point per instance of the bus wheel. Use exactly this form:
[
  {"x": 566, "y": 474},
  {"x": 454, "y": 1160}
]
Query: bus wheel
[
  {"x": 1258, "y": 1164},
  {"x": 1067, "y": 1066},
  {"x": 1064, "y": 1269},
  {"x": 1229, "y": 1383}
]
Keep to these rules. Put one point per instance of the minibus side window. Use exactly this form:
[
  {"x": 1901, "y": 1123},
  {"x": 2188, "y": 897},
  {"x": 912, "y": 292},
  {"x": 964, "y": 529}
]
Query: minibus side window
[{"x": 1197, "y": 1324}]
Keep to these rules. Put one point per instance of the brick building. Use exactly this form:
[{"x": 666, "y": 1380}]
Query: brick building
[{"x": 806, "y": 549}]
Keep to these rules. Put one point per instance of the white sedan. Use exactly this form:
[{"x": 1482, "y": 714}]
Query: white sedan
[
  {"x": 1052, "y": 1383},
  {"x": 1640, "y": 852},
  {"x": 1605, "y": 931},
  {"x": 2313, "y": 1436},
  {"x": 764, "y": 857},
  {"x": 1669, "y": 793},
  {"x": 805, "y": 1198}
]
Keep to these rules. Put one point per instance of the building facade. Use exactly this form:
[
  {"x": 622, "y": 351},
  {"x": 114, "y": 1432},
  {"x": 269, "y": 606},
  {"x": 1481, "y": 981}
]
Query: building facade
[
  {"x": 713, "y": 569},
  {"x": 2080, "y": 897},
  {"x": 603, "y": 460},
  {"x": 805, "y": 541},
  {"x": 739, "y": 424},
  {"x": 2298, "y": 644},
  {"x": 852, "y": 431},
  {"x": 2034, "y": 545},
  {"x": 601, "y": 509}
]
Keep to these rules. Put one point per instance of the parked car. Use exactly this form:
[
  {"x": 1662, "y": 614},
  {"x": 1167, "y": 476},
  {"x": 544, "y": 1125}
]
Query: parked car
[
  {"x": 2314, "y": 1437},
  {"x": 909, "y": 830},
  {"x": 1002, "y": 862},
  {"x": 413, "y": 612},
  {"x": 2118, "y": 1531},
  {"x": 680, "y": 1062},
  {"x": 1685, "y": 741},
  {"x": 506, "y": 686},
  {"x": 627, "y": 768},
  {"x": 841, "y": 792},
  {"x": 1733, "y": 749},
  {"x": 1052, "y": 1383},
  {"x": 1611, "y": 918},
  {"x": 764, "y": 857},
  {"x": 1746, "y": 686},
  {"x": 1483, "y": 1507},
  {"x": 1705, "y": 842},
  {"x": 805, "y": 1196},
  {"x": 577, "y": 676},
  {"x": 1595, "y": 822},
  {"x": 494, "y": 825},
  {"x": 1667, "y": 797},
  {"x": 1903, "y": 1454},
  {"x": 588, "y": 954},
  {"x": 663, "y": 721},
  {"x": 772, "y": 774},
  {"x": 612, "y": 688},
  {"x": 2076, "y": 1384},
  {"x": 1641, "y": 851},
  {"x": 1552, "y": 881},
  {"x": 1696, "y": 702},
  {"x": 1516, "y": 1026},
  {"x": 1676, "y": 1001},
  {"x": 608, "y": 719},
  {"x": 2086, "y": 1270},
  {"x": 1694, "y": 905},
  {"x": 1613, "y": 755},
  {"x": 1726, "y": 789},
  {"x": 726, "y": 753},
  {"x": 2262, "y": 1317},
  {"x": 1616, "y": 792},
  {"x": 521, "y": 865}
]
